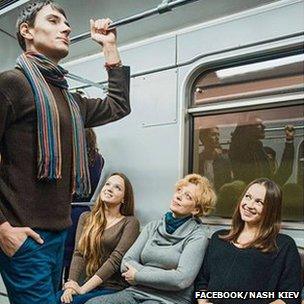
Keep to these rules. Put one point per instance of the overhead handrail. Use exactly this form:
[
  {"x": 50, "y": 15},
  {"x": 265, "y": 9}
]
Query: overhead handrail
[
  {"x": 164, "y": 7},
  {"x": 205, "y": 55},
  {"x": 283, "y": 128},
  {"x": 88, "y": 82},
  {"x": 7, "y": 6}
]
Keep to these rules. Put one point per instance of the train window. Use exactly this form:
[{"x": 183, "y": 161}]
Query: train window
[
  {"x": 253, "y": 79},
  {"x": 233, "y": 149}
]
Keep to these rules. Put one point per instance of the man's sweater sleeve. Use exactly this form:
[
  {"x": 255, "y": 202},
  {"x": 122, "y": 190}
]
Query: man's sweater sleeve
[
  {"x": 285, "y": 169},
  {"x": 183, "y": 276},
  {"x": 116, "y": 105},
  {"x": 6, "y": 117}
]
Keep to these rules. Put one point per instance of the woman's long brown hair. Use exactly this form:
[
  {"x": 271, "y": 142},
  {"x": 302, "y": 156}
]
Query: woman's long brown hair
[
  {"x": 270, "y": 222},
  {"x": 90, "y": 242},
  {"x": 92, "y": 149}
]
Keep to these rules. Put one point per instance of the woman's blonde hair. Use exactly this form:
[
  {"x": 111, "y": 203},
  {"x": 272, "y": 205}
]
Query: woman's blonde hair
[
  {"x": 90, "y": 242},
  {"x": 206, "y": 197}
]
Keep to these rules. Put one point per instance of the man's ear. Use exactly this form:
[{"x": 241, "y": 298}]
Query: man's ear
[{"x": 25, "y": 31}]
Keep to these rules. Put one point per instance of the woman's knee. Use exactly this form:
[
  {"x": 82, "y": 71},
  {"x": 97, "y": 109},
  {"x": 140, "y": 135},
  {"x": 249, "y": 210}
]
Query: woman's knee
[{"x": 121, "y": 297}]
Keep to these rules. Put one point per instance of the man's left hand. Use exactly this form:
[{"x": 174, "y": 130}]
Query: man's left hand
[{"x": 100, "y": 31}]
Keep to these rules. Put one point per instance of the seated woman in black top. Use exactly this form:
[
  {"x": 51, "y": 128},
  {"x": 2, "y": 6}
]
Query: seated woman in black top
[{"x": 253, "y": 256}]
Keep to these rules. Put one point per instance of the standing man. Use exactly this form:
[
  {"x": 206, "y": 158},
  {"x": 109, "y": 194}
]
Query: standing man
[
  {"x": 214, "y": 162},
  {"x": 42, "y": 146}
]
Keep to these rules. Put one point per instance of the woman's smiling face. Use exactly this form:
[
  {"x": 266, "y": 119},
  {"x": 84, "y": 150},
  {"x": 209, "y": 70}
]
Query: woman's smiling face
[
  {"x": 252, "y": 204},
  {"x": 113, "y": 191}
]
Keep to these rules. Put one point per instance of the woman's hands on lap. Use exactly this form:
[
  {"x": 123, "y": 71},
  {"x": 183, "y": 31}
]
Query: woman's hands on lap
[{"x": 70, "y": 288}]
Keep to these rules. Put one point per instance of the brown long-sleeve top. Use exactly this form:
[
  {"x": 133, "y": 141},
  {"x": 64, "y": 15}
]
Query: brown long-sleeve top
[
  {"x": 115, "y": 243},
  {"x": 25, "y": 200}
]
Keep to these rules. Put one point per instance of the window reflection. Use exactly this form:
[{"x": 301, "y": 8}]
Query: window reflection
[
  {"x": 249, "y": 80},
  {"x": 214, "y": 162},
  {"x": 234, "y": 149}
]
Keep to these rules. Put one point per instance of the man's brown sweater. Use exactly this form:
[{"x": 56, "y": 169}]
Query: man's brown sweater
[{"x": 25, "y": 200}]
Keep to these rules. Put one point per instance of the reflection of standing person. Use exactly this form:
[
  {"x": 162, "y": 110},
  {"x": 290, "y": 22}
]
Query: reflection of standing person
[
  {"x": 96, "y": 163},
  {"x": 228, "y": 196},
  {"x": 249, "y": 158},
  {"x": 300, "y": 165},
  {"x": 253, "y": 256},
  {"x": 42, "y": 145},
  {"x": 214, "y": 162},
  {"x": 281, "y": 172},
  {"x": 246, "y": 152}
]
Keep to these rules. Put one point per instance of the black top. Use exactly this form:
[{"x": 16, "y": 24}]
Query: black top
[{"x": 228, "y": 268}]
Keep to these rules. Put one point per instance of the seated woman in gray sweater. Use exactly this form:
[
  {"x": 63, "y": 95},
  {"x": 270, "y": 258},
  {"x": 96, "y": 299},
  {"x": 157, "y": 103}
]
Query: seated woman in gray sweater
[
  {"x": 103, "y": 237},
  {"x": 162, "y": 263},
  {"x": 253, "y": 256}
]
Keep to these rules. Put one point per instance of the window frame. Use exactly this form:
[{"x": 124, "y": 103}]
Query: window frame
[{"x": 277, "y": 100}]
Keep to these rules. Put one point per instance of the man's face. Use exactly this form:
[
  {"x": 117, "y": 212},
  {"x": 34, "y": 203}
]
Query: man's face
[
  {"x": 50, "y": 34},
  {"x": 258, "y": 129},
  {"x": 210, "y": 137},
  {"x": 214, "y": 136}
]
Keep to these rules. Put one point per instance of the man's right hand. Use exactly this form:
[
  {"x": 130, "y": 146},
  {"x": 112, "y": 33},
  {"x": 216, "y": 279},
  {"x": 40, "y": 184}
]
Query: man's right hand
[
  {"x": 12, "y": 238},
  {"x": 289, "y": 132}
]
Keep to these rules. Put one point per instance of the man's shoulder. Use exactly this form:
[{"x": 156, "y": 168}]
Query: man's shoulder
[
  {"x": 11, "y": 75},
  {"x": 12, "y": 78},
  {"x": 13, "y": 84}
]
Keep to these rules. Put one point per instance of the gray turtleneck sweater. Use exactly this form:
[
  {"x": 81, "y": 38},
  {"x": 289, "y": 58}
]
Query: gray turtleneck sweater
[{"x": 166, "y": 264}]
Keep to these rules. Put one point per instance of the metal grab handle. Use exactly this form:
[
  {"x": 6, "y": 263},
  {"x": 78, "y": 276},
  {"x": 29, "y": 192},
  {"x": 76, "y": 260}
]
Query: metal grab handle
[
  {"x": 103, "y": 87},
  {"x": 283, "y": 128},
  {"x": 82, "y": 204},
  {"x": 164, "y": 7}
]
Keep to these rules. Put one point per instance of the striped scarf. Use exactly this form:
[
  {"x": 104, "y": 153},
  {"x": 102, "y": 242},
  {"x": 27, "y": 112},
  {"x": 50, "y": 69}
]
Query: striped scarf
[{"x": 40, "y": 71}]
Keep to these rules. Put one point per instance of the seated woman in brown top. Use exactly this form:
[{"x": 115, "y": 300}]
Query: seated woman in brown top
[{"x": 102, "y": 238}]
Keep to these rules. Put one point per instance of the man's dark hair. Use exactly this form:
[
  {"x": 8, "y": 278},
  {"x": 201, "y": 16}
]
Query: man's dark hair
[{"x": 28, "y": 15}]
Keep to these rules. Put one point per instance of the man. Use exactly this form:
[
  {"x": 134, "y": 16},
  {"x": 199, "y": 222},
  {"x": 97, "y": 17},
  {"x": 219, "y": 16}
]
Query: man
[
  {"x": 42, "y": 147},
  {"x": 213, "y": 160},
  {"x": 249, "y": 158}
]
